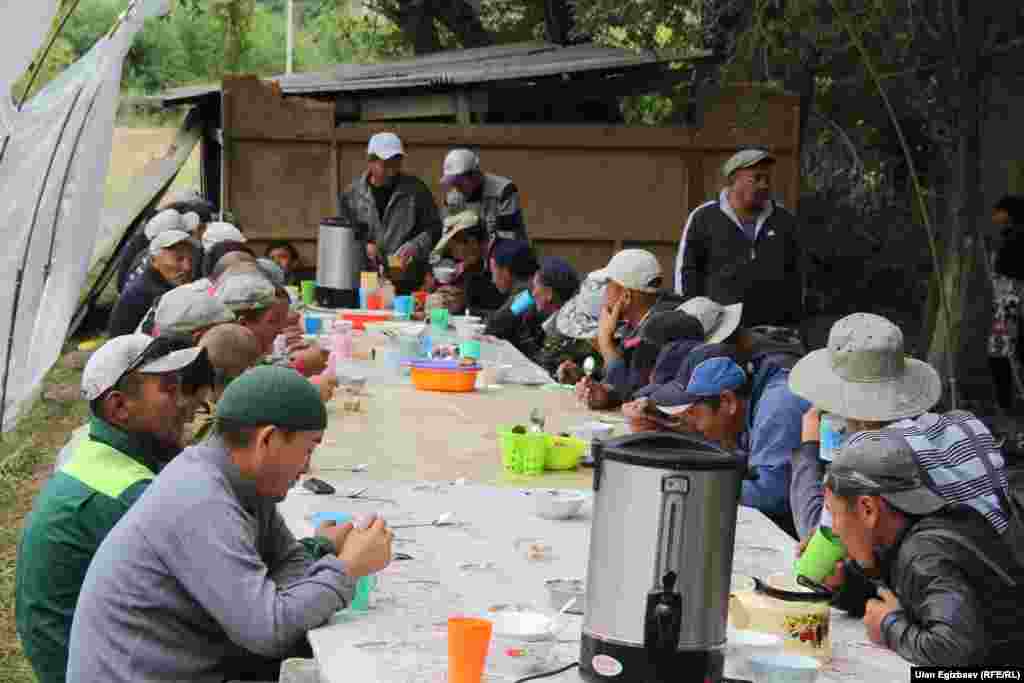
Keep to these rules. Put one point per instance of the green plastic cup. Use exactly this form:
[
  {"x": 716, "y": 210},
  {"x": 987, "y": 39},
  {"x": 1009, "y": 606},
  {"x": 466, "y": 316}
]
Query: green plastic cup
[
  {"x": 361, "y": 597},
  {"x": 439, "y": 318},
  {"x": 819, "y": 558},
  {"x": 470, "y": 349},
  {"x": 308, "y": 291}
]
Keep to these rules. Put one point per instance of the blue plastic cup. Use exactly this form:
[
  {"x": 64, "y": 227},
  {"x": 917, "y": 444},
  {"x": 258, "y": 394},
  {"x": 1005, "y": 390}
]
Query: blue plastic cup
[
  {"x": 313, "y": 324},
  {"x": 403, "y": 306},
  {"x": 522, "y": 302}
]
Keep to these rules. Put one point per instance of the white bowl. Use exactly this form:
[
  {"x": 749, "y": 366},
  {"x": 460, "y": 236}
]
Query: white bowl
[
  {"x": 555, "y": 504},
  {"x": 743, "y": 645},
  {"x": 591, "y": 431},
  {"x": 783, "y": 668}
]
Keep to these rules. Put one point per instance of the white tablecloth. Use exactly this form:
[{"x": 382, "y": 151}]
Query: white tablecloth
[{"x": 403, "y": 637}]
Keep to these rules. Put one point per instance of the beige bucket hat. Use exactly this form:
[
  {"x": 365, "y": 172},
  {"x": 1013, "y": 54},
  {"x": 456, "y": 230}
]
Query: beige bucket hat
[
  {"x": 864, "y": 374},
  {"x": 717, "y": 320}
]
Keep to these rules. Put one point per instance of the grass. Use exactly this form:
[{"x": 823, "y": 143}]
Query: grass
[{"x": 27, "y": 454}]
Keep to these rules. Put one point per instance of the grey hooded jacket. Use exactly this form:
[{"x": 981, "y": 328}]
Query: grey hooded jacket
[{"x": 411, "y": 216}]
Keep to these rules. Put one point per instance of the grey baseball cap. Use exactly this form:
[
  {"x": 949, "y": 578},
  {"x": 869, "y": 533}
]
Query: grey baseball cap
[
  {"x": 864, "y": 374},
  {"x": 246, "y": 292},
  {"x": 168, "y": 239},
  {"x": 184, "y": 310},
  {"x": 884, "y": 467},
  {"x": 128, "y": 353},
  {"x": 745, "y": 159},
  {"x": 717, "y": 320}
]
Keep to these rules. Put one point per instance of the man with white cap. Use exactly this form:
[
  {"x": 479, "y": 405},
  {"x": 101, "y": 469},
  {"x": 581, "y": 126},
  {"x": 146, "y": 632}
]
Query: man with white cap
[
  {"x": 218, "y": 232},
  {"x": 757, "y": 413},
  {"x": 945, "y": 590},
  {"x": 135, "y": 256},
  {"x": 398, "y": 212},
  {"x": 633, "y": 293},
  {"x": 865, "y": 380},
  {"x": 744, "y": 247},
  {"x": 494, "y": 198},
  {"x": 141, "y": 392},
  {"x": 170, "y": 265}
]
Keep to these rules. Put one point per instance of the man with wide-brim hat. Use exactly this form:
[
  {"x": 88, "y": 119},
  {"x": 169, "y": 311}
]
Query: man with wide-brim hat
[
  {"x": 463, "y": 249},
  {"x": 864, "y": 378},
  {"x": 743, "y": 246}
]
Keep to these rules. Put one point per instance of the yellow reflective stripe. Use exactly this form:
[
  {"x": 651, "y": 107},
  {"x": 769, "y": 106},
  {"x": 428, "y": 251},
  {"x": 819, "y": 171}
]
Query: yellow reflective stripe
[{"x": 105, "y": 469}]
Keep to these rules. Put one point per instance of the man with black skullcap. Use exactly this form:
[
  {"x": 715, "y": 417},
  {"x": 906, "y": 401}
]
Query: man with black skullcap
[{"x": 202, "y": 581}]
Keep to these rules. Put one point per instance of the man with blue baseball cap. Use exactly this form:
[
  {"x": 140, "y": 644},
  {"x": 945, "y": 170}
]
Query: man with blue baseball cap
[{"x": 756, "y": 412}]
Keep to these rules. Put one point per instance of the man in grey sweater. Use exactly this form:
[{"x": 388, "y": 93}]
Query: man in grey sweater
[{"x": 202, "y": 575}]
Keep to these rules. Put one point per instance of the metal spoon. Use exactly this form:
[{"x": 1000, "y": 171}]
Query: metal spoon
[
  {"x": 589, "y": 365},
  {"x": 443, "y": 519}
]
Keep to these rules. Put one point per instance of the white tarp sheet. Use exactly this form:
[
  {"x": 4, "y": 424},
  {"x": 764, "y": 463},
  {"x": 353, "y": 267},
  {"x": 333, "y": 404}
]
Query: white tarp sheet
[{"x": 52, "y": 179}]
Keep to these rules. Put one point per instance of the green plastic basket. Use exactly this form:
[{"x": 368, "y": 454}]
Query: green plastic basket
[
  {"x": 523, "y": 453},
  {"x": 564, "y": 452}
]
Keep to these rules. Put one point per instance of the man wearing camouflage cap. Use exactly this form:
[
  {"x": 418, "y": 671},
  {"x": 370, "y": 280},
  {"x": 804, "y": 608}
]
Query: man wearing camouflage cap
[
  {"x": 743, "y": 247},
  {"x": 202, "y": 578},
  {"x": 139, "y": 404}
]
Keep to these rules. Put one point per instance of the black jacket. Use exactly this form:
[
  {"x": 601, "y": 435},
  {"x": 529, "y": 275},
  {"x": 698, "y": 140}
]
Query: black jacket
[
  {"x": 717, "y": 260},
  {"x": 957, "y": 610},
  {"x": 522, "y": 330},
  {"x": 135, "y": 302}
]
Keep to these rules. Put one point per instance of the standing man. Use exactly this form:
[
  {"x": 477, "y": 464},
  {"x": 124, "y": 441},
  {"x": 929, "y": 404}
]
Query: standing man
[
  {"x": 743, "y": 247},
  {"x": 494, "y": 198},
  {"x": 398, "y": 212}
]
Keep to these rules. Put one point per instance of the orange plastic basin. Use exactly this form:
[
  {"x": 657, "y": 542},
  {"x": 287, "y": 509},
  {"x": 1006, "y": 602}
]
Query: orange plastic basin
[
  {"x": 443, "y": 379},
  {"x": 361, "y": 317}
]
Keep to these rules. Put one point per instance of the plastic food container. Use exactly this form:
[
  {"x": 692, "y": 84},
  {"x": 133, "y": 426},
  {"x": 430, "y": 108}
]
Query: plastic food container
[
  {"x": 522, "y": 642},
  {"x": 784, "y": 668},
  {"x": 564, "y": 452},
  {"x": 359, "y": 317},
  {"x": 448, "y": 376},
  {"x": 741, "y": 646},
  {"x": 523, "y": 453},
  {"x": 555, "y": 504}
]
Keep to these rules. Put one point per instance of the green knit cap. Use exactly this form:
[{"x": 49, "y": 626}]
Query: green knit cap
[{"x": 271, "y": 395}]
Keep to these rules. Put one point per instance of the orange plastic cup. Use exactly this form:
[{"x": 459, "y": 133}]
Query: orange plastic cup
[
  {"x": 468, "y": 640},
  {"x": 421, "y": 298},
  {"x": 374, "y": 302}
]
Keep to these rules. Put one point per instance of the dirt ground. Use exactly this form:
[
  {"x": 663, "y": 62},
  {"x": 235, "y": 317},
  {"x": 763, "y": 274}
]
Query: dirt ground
[{"x": 134, "y": 148}]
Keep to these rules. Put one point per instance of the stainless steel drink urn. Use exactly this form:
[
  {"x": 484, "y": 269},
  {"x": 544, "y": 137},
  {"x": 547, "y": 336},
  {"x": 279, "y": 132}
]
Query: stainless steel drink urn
[
  {"x": 661, "y": 549},
  {"x": 341, "y": 253}
]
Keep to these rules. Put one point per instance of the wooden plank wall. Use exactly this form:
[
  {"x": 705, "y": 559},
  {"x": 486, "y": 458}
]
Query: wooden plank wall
[{"x": 587, "y": 190}]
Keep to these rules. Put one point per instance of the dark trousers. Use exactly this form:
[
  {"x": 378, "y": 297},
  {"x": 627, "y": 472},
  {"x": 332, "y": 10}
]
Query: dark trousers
[
  {"x": 253, "y": 667},
  {"x": 1002, "y": 379}
]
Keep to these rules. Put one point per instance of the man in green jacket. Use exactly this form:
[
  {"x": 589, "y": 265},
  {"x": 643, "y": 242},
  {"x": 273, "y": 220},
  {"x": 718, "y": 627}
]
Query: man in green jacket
[{"x": 141, "y": 392}]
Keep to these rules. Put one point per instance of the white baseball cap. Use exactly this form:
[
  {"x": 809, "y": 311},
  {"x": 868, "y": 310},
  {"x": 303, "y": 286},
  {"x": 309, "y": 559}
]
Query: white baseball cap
[
  {"x": 458, "y": 162},
  {"x": 221, "y": 232},
  {"x": 168, "y": 239},
  {"x": 168, "y": 219},
  {"x": 634, "y": 269},
  {"x": 385, "y": 146},
  {"x": 131, "y": 353}
]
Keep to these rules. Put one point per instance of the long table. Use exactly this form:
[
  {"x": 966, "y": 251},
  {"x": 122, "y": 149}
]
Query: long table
[
  {"x": 481, "y": 563},
  {"x": 405, "y": 434}
]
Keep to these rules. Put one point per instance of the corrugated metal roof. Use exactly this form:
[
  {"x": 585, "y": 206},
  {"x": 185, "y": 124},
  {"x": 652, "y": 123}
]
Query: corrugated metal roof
[{"x": 519, "y": 61}]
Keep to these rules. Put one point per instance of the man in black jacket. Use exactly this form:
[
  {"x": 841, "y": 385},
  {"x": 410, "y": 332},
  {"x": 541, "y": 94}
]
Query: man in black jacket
[
  {"x": 946, "y": 590},
  {"x": 743, "y": 247},
  {"x": 170, "y": 266}
]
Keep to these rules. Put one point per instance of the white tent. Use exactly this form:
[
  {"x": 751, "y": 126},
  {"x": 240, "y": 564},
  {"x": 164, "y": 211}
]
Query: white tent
[{"x": 53, "y": 171}]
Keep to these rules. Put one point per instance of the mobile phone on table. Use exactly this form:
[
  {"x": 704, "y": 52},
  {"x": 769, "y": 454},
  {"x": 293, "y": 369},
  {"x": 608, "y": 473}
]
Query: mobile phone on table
[{"x": 318, "y": 486}]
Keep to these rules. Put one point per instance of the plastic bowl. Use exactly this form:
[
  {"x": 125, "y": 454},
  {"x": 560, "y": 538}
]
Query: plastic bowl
[
  {"x": 359, "y": 317},
  {"x": 741, "y": 646},
  {"x": 564, "y": 453},
  {"x": 452, "y": 379},
  {"x": 444, "y": 274},
  {"x": 555, "y": 504},
  {"x": 782, "y": 668}
]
